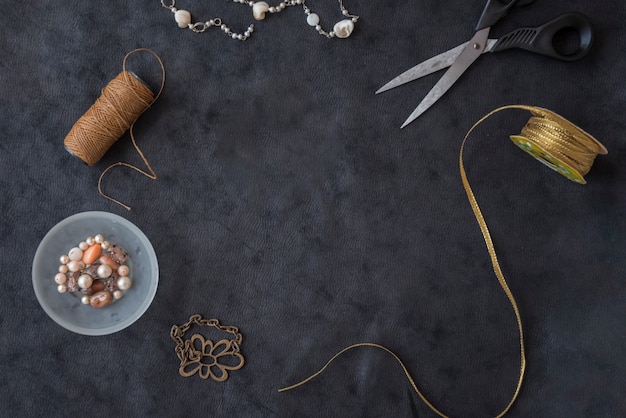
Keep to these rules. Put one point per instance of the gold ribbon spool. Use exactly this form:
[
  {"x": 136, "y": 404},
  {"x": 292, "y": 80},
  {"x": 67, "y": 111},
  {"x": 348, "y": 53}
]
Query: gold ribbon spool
[{"x": 555, "y": 142}]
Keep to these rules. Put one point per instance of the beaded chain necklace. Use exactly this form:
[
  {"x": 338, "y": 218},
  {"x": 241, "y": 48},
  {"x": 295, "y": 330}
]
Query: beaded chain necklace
[{"x": 341, "y": 29}]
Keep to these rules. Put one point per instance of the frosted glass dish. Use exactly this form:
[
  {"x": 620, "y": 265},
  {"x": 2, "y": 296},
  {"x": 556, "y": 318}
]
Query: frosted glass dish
[{"x": 66, "y": 309}]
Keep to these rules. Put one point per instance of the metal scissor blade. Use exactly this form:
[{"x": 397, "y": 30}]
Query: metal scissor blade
[
  {"x": 474, "y": 48},
  {"x": 434, "y": 64}
]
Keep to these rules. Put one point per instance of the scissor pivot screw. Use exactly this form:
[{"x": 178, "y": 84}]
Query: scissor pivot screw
[{"x": 476, "y": 46}]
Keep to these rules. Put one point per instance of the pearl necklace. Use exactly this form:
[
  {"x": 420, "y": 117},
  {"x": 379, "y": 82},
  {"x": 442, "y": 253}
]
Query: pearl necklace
[{"x": 342, "y": 29}]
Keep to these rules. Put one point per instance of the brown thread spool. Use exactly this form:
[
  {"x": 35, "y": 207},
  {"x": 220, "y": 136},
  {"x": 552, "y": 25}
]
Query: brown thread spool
[
  {"x": 117, "y": 109},
  {"x": 120, "y": 104}
]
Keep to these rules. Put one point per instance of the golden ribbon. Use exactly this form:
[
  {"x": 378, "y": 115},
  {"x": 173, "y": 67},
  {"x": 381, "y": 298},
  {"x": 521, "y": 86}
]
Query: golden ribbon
[{"x": 555, "y": 142}]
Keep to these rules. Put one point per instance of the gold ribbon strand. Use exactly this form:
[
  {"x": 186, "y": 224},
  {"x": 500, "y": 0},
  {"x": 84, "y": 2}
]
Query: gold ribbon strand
[{"x": 552, "y": 140}]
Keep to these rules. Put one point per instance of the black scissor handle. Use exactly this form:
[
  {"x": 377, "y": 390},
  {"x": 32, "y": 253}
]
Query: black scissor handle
[
  {"x": 541, "y": 39},
  {"x": 496, "y": 9}
]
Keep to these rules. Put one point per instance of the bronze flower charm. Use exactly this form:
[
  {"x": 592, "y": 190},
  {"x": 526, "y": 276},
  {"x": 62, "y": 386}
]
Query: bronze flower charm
[{"x": 210, "y": 359}]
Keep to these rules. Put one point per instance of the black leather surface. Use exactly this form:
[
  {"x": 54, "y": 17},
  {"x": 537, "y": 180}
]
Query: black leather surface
[{"x": 290, "y": 204}]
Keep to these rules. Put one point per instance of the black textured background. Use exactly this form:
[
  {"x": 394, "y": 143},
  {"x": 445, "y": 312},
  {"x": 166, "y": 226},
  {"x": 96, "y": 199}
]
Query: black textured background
[{"x": 289, "y": 203}]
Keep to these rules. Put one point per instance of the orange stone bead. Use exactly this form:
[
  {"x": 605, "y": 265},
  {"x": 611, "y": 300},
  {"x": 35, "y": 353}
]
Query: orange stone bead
[
  {"x": 101, "y": 299},
  {"x": 108, "y": 260},
  {"x": 91, "y": 254},
  {"x": 97, "y": 286}
]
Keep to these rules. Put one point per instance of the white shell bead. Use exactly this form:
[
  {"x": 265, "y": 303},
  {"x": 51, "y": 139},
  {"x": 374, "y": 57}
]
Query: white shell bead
[
  {"x": 63, "y": 268},
  {"x": 183, "y": 18},
  {"x": 83, "y": 245},
  {"x": 99, "y": 238},
  {"x": 64, "y": 259},
  {"x": 62, "y": 288},
  {"x": 343, "y": 28},
  {"x": 85, "y": 300},
  {"x": 118, "y": 294},
  {"x": 312, "y": 19},
  {"x": 259, "y": 9}
]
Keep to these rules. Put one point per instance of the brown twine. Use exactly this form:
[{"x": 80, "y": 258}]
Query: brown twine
[{"x": 117, "y": 109}]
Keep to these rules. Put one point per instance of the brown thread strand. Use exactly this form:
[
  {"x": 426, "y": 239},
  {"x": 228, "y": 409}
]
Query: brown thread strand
[
  {"x": 382, "y": 347},
  {"x": 117, "y": 109}
]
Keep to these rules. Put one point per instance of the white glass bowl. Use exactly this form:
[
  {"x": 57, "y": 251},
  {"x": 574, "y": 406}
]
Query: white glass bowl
[{"x": 66, "y": 309}]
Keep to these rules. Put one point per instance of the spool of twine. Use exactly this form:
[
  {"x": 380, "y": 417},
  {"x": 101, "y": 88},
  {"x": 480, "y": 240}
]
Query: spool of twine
[
  {"x": 117, "y": 109},
  {"x": 121, "y": 103}
]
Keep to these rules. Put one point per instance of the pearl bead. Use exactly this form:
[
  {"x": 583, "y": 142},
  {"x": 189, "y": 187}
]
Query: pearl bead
[
  {"x": 60, "y": 278},
  {"x": 75, "y": 254},
  {"x": 99, "y": 238},
  {"x": 313, "y": 19},
  {"x": 105, "y": 245},
  {"x": 123, "y": 270},
  {"x": 64, "y": 259},
  {"x": 118, "y": 294},
  {"x": 104, "y": 271},
  {"x": 124, "y": 283},
  {"x": 63, "y": 268},
  {"x": 62, "y": 288},
  {"x": 90, "y": 241},
  {"x": 85, "y": 300},
  {"x": 85, "y": 281},
  {"x": 83, "y": 245},
  {"x": 74, "y": 265}
]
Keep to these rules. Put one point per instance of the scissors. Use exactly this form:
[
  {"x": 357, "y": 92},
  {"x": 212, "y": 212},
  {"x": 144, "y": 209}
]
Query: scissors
[{"x": 539, "y": 40}]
